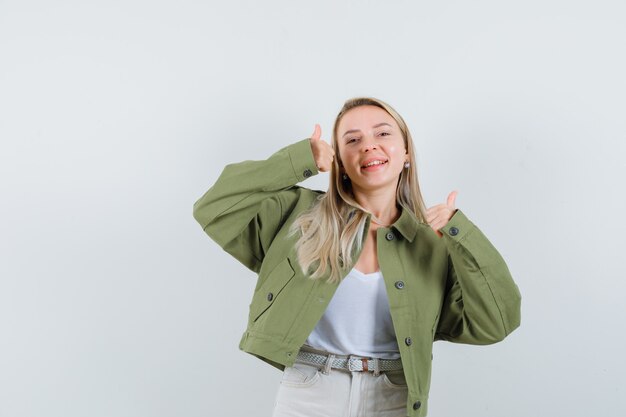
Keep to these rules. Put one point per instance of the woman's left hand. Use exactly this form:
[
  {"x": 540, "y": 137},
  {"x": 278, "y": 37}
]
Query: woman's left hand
[{"x": 438, "y": 216}]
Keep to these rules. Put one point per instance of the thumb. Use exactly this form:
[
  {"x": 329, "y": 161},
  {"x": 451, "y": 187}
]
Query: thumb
[
  {"x": 452, "y": 198},
  {"x": 317, "y": 133}
]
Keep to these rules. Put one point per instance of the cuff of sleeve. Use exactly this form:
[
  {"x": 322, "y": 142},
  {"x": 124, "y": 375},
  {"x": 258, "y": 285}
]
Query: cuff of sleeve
[
  {"x": 302, "y": 160},
  {"x": 458, "y": 226}
]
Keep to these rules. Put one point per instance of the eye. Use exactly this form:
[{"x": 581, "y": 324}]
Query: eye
[
  {"x": 384, "y": 134},
  {"x": 351, "y": 140}
]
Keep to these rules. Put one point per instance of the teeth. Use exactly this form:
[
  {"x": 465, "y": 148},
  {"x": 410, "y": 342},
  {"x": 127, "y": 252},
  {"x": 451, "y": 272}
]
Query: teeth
[{"x": 369, "y": 164}]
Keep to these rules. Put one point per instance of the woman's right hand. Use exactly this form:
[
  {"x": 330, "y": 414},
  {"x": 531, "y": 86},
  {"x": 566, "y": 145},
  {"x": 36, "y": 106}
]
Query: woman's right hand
[{"x": 323, "y": 153}]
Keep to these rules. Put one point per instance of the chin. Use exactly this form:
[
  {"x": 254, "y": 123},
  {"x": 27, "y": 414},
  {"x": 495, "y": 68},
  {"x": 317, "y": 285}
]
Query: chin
[{"x": 375, "y": 185}]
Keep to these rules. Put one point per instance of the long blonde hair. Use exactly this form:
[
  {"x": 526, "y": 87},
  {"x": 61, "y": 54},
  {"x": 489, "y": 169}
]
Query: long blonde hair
[{"x": 332, "y": 230}]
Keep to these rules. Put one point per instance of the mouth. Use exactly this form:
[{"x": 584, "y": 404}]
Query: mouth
[{"x": 374, "y": 163}]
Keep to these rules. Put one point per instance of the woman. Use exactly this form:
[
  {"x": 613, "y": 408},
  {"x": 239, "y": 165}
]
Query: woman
[{"x": 355, "y": 284}]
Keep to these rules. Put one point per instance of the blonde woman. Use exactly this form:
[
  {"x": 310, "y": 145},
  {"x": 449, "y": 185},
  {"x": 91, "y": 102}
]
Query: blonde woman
[{"x": 356, "y": 283}]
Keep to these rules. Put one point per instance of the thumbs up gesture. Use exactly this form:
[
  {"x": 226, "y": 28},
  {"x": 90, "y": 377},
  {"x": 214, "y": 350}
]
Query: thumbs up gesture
[
  {"x": 438, "y": 216},
  {"x": 323, "y": 153}
]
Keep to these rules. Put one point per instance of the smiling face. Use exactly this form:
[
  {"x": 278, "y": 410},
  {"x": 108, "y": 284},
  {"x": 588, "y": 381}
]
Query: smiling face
[{"x": 371, "y": 148}]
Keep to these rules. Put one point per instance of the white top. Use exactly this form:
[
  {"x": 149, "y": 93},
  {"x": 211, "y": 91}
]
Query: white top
[{"x": 357, "y": 320}]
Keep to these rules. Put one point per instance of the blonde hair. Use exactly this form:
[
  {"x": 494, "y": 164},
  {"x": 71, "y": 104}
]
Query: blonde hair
[{"x": 332, "y": 230}]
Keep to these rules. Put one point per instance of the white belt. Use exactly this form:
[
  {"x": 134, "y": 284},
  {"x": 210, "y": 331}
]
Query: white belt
[{"x": 351, "y": 363}]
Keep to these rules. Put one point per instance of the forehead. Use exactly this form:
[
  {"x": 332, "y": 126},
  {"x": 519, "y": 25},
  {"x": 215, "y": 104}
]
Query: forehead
[{"x": 364, "y": 117}]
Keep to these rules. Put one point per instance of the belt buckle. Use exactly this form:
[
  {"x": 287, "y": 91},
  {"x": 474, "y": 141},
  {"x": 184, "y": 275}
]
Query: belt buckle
[{"x": 357, "y": 364}]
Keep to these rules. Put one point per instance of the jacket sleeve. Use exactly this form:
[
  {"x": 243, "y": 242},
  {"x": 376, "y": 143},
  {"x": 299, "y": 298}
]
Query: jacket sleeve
[
  {"x": 482, "y": 302},
  {"x": 243, "y": 210}
]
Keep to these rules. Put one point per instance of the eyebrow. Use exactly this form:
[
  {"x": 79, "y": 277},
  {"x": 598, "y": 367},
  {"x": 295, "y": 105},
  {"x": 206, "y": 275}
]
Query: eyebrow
[{"x": 375, "y": 126}]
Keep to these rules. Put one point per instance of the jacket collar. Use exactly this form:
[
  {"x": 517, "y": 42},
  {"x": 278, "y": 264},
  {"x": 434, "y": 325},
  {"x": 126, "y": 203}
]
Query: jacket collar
[{"x": 407, "y": 224}]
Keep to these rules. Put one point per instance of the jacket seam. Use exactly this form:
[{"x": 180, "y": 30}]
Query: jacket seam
[
  {"x": 221, "y": 213},
  {"x": 487, "y": 281},
  {"x": 280, "y": 206},
  {"x": 491, "y": 291},
  {"x": 293, "y": 168},
  {"x": 495, "y": 299}
]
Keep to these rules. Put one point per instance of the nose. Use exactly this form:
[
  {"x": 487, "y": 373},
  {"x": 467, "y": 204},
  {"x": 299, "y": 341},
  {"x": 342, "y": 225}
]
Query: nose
[{"x": 369, "y": 145}]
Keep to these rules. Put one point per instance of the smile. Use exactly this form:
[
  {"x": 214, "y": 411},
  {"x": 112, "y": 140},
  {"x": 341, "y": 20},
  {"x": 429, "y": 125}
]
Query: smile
[{"x": 374, "y": 163}]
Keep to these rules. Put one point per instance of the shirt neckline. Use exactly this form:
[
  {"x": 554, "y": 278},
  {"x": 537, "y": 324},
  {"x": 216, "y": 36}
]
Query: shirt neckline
[{"x": 364, "y": 275}]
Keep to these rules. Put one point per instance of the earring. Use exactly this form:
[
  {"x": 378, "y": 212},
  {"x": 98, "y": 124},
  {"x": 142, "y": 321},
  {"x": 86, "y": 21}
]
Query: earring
[
  {"x": 407, "y": 164},
  {"x": 345, "y": 177}
]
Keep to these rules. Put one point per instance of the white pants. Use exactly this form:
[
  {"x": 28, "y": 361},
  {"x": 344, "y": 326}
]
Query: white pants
[{"x": 306, "y": 391}]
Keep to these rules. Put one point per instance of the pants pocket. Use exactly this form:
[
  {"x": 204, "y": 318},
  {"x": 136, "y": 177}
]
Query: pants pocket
[
  {"x": 395, "y": 379},
  {"x": 300, "y": 375}
]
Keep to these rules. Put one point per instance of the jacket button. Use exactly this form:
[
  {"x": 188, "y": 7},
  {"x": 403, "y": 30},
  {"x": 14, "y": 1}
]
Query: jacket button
[
  {"x": 408, "y": 341},
  {"x": 417, "y": 405},
  {"x": 399, "y": 285},
  {"x": 390, "y": 236},
  {"x": 454, "y": 231},
  {"x": 270, "y": 296},
  {"x": 307, "y": 173}
]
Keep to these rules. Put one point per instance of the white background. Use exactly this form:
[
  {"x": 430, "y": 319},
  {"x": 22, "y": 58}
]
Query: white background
[{"x": 115, "y": 116}]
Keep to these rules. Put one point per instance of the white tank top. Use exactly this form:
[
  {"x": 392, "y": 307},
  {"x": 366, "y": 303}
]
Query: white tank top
[{"x": 357, "y": 320}]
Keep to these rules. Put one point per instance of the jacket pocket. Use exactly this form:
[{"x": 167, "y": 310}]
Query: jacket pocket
[{"x": 267, "y": 294}]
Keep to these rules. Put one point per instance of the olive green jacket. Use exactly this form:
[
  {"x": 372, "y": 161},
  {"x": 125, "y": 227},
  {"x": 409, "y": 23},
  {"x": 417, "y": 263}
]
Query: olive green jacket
[{"x": 455, "y": 288}]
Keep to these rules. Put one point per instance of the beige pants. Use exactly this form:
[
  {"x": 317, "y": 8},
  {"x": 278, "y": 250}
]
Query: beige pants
[{"x": 307, "y": 391}]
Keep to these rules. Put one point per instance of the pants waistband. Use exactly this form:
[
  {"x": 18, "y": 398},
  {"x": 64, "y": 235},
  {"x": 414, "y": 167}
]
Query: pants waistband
[{"x": 352, "y": 363}]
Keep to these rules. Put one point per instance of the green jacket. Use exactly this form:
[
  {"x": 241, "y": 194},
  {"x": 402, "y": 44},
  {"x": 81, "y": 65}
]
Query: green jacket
[{"x": 455, "y": 288}]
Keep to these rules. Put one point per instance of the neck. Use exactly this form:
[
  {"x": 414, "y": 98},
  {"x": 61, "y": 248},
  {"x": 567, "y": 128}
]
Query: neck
[{"x": 381, "y": 203}]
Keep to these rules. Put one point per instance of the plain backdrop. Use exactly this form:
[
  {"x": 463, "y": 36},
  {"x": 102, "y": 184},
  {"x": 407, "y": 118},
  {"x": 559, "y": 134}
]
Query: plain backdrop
[{"x": 116, "y": 116}]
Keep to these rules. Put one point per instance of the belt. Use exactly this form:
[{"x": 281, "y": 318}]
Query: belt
[{"x": 350, "y": 363}]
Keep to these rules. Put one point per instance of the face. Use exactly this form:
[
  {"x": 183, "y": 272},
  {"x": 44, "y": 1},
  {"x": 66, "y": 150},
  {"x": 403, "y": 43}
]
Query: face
[{"x": 371, "y": 148}]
